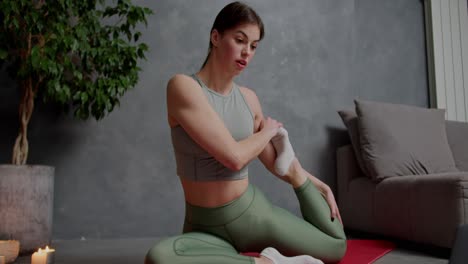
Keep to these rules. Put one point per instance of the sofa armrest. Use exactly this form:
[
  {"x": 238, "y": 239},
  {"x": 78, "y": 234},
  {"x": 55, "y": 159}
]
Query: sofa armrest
[
  {"x": 424, "y": 208},
  {"x": 355, "y": 192},
  {"x": 456, "y": 135},
  {"x": 347, "y": 168}
]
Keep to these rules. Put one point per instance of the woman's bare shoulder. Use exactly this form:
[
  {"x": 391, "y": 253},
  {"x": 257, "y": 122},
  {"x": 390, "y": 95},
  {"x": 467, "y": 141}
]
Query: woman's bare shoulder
[
  {"x": 247, "y": 91},
  {"x": 250, "y": 96},
  {"x": 253, "y": 102},
  {"x": 182, "y": 85},
  {"x": 180, "y": 80}
]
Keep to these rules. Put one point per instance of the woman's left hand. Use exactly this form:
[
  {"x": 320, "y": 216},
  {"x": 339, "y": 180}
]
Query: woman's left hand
[{"x": 330, "y": 198}]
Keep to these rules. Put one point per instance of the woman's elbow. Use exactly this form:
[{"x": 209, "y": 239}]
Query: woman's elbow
[
  {"x": 232, "y": 159},
  {"x": 235, "y": 163}
]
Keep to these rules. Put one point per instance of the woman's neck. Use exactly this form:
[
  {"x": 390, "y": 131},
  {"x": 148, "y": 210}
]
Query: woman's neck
[{"x": 214, "y": 78}]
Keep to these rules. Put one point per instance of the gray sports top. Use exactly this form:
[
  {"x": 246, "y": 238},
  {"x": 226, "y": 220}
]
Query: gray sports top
[{"x": 192, "y": 161}]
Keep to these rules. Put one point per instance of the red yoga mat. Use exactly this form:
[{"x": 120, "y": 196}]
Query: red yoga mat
[
  {"x": 359, "y": 251},
  {"x": 365, "y": 251}
]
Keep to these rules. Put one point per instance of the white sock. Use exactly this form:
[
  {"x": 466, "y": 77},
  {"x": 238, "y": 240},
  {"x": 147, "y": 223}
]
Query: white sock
[
  {"x": 277, "y": 258},
  {"x": 284, "y": 151}
]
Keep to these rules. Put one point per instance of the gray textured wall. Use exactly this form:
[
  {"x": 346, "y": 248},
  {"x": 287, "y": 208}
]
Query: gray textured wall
[{"x": 116, "y": 178}]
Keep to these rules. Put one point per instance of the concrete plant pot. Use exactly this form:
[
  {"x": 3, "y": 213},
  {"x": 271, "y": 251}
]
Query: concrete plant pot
[
  {"x": 9, "y": 249},
  {"x": 26, "y": 205}
]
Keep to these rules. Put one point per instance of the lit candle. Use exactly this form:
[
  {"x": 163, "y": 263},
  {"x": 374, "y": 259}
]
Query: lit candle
[
  {"x": 43, "y": 256},
  {"x": 50, "y": 255},
  {"x": 39, "y": 257}
]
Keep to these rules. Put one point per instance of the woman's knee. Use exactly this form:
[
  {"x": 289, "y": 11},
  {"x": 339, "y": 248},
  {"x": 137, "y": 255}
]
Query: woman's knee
[
  {"x": 160, "y": 253},
  {"x": 339, "y": 250}
]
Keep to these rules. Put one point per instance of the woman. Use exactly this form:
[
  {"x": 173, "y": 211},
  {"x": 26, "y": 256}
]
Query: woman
[{"x": 217, "y": 128}]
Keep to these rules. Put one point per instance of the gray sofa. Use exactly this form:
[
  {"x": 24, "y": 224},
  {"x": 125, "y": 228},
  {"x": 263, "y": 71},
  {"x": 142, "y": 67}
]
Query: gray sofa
[{"x": 423, "y": 208}]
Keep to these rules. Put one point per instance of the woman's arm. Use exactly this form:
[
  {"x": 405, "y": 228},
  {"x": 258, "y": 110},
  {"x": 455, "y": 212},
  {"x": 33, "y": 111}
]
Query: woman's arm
[
  {"x": 268, "y": 157},
  {"x": 188, "y": 107}
]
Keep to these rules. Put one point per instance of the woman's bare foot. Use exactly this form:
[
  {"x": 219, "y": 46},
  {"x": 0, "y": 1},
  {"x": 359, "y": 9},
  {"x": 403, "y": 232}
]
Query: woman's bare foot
[
  {"x": 263, "y": 260},
  {"x": 277, "y": 258}
]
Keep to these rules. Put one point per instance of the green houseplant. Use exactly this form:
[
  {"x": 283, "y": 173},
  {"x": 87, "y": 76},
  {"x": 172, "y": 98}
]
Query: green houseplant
[{"x": 82, "y": 55}]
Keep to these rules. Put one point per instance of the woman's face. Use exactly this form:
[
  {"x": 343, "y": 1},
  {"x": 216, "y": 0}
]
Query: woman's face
[{"x": 236, "y": 47}]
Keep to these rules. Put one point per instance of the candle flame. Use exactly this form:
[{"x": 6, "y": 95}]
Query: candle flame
[{"x": 46, "y": 249}]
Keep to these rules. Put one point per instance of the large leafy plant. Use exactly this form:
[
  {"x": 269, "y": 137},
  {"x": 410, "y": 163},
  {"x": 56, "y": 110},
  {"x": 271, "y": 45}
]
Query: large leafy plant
[{"x": 82, "y": 55}]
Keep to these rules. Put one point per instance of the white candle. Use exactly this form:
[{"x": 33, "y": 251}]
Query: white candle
[
  {"x": 2, "y": 259},
  {"x": 39, "y": 257},
  {"x": 50, "y": 255},
  {"x": 43, "y": 256}
]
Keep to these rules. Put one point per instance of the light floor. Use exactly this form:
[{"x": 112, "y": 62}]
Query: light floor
[{"x": 127, "y": 251}]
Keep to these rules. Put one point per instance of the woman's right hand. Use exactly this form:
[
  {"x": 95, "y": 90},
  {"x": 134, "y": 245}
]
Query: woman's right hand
[{"x": 270, "y": 125}]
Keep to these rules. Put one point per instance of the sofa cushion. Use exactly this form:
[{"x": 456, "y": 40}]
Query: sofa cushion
[
  {"x": 399, "y": 140},
  {"x": 350, "y": 120}
]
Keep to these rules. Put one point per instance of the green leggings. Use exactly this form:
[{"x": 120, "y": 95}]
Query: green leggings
[{"x": 249, "y": 224}]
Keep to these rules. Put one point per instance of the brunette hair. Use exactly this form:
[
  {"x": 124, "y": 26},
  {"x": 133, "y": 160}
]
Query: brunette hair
[{"x": 233, "y": 15}]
